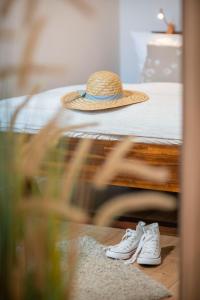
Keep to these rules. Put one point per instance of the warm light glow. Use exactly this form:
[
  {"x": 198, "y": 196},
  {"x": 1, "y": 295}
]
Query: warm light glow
[{"x": 161, "y": 15}]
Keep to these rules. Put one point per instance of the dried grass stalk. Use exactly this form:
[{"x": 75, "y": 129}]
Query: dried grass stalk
[
  {"x": 7, "y": 34},
  {"x": 9, "y": 71},
  {"x": 35, "y": 248},
  {"x": 31, "y": 69},
  {"x": 27, "y": 55},
  {"x": 116, "y": 163},
  {"x": 83, "y": 194},
  {"x": 18, "y": 276},
  {"x": 6, "y": 6},
  {"x": 31, "y": 8},
  {"x": 21, "y": 106},
  {"x": 45, "y": 69},
  {"x": 72, "y": 259},
  {"x": 35, "y": 151},
  {"x": 111, "y": 165},
  {"x": 50, "y": 207},
  {"x": 140, "y": 169},
  {"x": 73, "y": 169},
  {"x": 131, "y": 202},
  {"x": 82, "y": 5}
]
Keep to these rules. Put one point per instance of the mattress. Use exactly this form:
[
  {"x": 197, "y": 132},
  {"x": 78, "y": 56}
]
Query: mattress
[{"x": 158, "y": 120}]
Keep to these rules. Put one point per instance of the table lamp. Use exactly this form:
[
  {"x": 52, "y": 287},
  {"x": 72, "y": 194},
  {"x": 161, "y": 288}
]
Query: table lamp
[{"x": 170, "y": 26}]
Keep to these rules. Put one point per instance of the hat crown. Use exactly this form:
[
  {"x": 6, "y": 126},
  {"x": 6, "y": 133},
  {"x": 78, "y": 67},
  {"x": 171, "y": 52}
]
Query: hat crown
[{"x": 104, "y": 83}]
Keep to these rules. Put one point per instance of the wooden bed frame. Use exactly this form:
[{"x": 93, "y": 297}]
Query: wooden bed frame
[{"x": 153, "y": 154}]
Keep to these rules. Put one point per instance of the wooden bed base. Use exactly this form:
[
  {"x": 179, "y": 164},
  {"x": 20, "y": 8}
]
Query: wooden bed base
[{"x": 153, "y": 154}]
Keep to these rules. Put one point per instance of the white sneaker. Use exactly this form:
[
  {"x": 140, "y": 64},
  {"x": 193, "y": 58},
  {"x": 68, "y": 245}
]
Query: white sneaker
[
  {"x": 128, "y": 245},
  {"x": 148, "y": 251}
]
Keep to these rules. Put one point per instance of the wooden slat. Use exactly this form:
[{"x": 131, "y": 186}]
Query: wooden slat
[
  {"x": 153, "y": 154},
  {"x": 159, "y": 155}
]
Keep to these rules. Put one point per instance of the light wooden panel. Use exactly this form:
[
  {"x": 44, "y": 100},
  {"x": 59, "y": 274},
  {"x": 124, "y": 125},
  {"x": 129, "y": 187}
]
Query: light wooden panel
[{"x": 190, "y": 212}]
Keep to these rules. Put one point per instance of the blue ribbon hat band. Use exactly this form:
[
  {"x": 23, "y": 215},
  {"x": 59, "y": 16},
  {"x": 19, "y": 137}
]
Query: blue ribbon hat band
[{"x": 87, "y": 96}]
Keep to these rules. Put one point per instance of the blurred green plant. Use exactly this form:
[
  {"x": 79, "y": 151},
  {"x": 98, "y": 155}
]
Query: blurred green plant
[{"x": 30, "y": 262}]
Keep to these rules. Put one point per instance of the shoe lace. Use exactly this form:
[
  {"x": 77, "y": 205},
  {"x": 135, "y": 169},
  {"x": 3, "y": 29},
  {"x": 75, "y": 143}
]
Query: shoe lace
[
  {"x": 147, "y": 245},
  {"x": 129, "y": 235}
]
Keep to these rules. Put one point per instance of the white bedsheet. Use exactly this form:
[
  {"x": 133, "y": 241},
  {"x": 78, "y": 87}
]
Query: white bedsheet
[{"x": 158, "y": 120}]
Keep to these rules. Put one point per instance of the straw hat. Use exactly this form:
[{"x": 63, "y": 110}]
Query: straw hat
[{"x": 104, "y": 91}]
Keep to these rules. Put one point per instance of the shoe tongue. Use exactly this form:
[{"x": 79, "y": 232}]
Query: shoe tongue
[
  {"x": 140, "y": 226},
  {"x": 152, "y": 228}
]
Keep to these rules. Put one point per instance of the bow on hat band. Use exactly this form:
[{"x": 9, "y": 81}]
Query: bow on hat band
[{"x": 96, "y": 98}]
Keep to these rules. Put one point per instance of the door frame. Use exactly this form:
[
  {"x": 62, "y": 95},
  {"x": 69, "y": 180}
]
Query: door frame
[{"x": 190, "y": 165}]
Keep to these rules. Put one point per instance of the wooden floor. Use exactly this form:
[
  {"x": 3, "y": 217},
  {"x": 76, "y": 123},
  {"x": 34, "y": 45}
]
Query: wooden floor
[{"x": 166, "y": 273}]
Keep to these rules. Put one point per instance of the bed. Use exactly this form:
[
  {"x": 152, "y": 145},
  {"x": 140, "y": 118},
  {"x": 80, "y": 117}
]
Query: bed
[{"x": 156, "y": 124}]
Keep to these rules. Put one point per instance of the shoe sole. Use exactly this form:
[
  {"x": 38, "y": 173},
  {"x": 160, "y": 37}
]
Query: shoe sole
[
  {"x": 116, "y": 255},
  {"x": 149, "y": 261}
]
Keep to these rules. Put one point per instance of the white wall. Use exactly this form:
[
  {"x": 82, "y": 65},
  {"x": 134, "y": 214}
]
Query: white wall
[
  {"x": 78, "y": 37},
  {"x": 81, "y": 42},
  {"x": 140, "y": 15}
]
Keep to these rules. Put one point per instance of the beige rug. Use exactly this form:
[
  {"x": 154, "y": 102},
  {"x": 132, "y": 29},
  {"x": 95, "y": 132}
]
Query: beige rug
[{"x": 101, "y": 278}]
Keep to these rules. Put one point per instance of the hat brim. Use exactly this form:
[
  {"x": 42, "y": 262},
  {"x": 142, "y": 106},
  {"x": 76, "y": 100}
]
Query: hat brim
[{"x": 71, "y": 101}]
